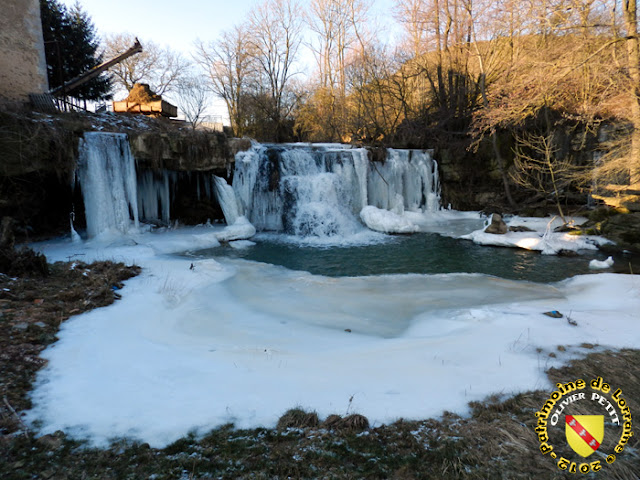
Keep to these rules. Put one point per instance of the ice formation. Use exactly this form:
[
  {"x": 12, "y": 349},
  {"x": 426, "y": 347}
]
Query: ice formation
[
  {"x": 227, "y": 200},
  {"x": 107, "y": 174},
  {"x": 154, "y": 195},
  {"x": 301, "y": 190},
  {"x": 320, "y": 190}
]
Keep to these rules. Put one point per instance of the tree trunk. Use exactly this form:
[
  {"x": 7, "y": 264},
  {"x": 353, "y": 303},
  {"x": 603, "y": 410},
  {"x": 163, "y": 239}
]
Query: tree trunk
[
  {"x": 633, "y": 58},
  {"x": 494, "y": 144}
]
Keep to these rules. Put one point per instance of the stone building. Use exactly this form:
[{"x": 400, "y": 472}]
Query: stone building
[{"x": 23, "y": 67}]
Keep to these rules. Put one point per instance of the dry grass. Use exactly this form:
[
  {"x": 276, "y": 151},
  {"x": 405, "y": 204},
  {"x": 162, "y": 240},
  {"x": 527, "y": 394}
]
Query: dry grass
[
  {"x": 298, "y": 418},
  {"x": 350, "y": 423}
]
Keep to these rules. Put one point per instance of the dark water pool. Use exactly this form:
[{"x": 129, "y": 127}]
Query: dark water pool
[{"x": 425, "y": 253}]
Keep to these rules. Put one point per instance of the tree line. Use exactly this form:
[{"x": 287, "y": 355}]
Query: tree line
[
  {"x": 512, "y": 79},
  {"x": 501, "y": 77}
]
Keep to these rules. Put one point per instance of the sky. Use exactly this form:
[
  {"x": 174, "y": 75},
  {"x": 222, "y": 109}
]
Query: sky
[
  {"x": 167, "y": 22},
  {"x": 177, "y": 24}
]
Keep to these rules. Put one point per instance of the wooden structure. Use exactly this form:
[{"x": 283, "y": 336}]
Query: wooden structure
[
  {"x": 64, "y": 89},
  {"x": 153, "y": 108}
]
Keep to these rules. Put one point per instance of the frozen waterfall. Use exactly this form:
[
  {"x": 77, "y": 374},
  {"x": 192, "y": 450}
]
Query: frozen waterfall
[
  {"x": 227, "y": 200},
  {"x": 302, "y": 190},
  {"x": 107, "y": 175},
  {"x": 320, "y": 190}
]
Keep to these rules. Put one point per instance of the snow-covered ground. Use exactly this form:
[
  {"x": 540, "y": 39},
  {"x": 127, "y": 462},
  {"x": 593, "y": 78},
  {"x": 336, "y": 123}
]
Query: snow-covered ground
[
  {"x": 194, "y": 344},
  {"x": 471, "y": 226}
]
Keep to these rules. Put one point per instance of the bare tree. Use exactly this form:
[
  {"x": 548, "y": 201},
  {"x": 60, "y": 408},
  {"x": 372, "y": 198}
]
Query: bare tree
[
  {"x": 414, "y": 16},
  {"x": 193, "y": 96},
  {"x": 633, "y": 65},
  {"x": 538, "y": 167},
  {"x": 276, "y": 34},
  {"x": 339, "y": 38},
  {"x": 231, "y": 70},
  {"x": 161, "y": 68}
]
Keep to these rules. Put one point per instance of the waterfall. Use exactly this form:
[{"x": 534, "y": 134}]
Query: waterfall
[
  {"x": 227, "y": 200},
  {"x": 302, "y": 190},
  {"x": 320, "y": 190},
  {"x": 107, "y": 175}
]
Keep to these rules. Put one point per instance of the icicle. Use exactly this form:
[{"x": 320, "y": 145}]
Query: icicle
[
  {"x": 107, "y": 176},
  {"x": 75, "y": 238},
  {"x": 154, "y": 196},
  {"x": 361, "y": 164}
]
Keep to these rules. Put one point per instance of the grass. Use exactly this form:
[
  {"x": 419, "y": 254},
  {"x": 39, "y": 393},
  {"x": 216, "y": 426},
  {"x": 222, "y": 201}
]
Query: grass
[{"x": 496, "y": 441}]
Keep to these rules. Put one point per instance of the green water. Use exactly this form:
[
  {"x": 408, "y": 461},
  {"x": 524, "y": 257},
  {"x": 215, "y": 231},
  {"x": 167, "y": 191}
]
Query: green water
[{"x": 424, "y": 253}]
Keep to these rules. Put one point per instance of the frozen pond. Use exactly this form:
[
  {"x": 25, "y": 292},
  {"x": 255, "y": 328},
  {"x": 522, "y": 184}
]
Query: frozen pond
[{"x": 426, "y": 253}]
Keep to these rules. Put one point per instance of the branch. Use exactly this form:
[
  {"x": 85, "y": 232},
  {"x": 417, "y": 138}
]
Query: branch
[{"x": 25, "y": 429}]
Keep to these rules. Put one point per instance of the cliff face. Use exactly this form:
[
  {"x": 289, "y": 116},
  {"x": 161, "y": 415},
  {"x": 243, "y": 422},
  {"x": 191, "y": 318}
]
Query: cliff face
[
  {"x": 185, "y": 150},
  {"x": 471, "y": 178},
  {"x": 39, "y": 155}
]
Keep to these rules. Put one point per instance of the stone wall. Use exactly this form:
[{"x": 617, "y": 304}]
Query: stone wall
[
  {"x": 185, "y": 151},
  {"x": 22, "y": 62}
]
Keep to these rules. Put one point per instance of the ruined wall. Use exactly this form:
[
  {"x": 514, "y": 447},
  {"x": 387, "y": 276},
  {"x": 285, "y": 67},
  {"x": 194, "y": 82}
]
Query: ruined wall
[{"x": 22, "y": 62}]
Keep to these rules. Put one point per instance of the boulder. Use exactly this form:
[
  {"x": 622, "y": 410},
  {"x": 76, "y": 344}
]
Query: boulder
[
  {"x": 624, "y": 229},
  {"x": 497, "y": 226},
  {"x": 520, "y": 228}
]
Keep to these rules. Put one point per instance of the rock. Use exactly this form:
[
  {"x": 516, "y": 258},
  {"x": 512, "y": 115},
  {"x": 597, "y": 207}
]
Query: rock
[
  {"x": 624, "y": 229},
  {"x": 52, "y": 441},
  {"x": 520, "y": 228},
  {"x": 6, "y": 233},
  {"x": 567, "y": 253},
  {"x": 183, "y": 151},
  {"x": 497, "y": 226},
  {"x": 487, "y": 198}
]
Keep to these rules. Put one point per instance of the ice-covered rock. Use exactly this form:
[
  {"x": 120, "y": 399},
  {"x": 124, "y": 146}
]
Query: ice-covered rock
[
  {"x": 598, "y": 264},
  {"x": 240, "y": 230},
  {"x": 386, "y": 221}
]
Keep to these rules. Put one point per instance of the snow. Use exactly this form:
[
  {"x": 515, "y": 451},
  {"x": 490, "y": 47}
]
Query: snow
[
  {"x": 471, "y": 225},
  {"x": 386, "y": 221},
  {"x": 194, "y": 344},
  {"x": 597, "y": 264},
  {"x": 542, "y": 238}
]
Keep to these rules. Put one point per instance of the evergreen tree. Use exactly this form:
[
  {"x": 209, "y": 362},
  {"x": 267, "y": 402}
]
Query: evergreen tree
[{"x": 71, "y": 46}]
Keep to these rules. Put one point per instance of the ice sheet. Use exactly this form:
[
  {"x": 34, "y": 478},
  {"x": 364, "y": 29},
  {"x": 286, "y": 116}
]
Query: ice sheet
[{"x": 196, "y": 344}]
